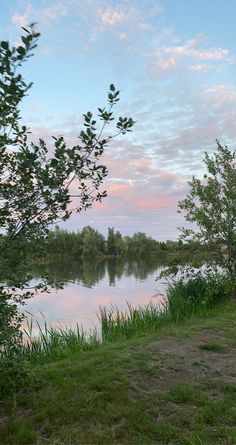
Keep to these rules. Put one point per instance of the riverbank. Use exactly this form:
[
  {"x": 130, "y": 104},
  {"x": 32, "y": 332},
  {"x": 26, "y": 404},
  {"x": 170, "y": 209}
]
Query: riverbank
[{"x": 174, "y": 386}]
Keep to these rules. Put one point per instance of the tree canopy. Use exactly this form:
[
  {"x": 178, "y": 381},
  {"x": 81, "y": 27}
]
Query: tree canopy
[
  {"x": 35, "y": 180},
  {"x": 211, "y": 206}
]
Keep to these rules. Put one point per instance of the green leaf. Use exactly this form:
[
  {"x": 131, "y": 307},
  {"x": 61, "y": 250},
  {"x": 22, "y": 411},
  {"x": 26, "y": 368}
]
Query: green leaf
[
  {"x": 5, "y": 45},
  {"x": 21, "y": 50}
]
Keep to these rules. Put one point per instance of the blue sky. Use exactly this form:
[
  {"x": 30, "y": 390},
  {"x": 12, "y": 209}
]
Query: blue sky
[{"x": 175, "y": 63}]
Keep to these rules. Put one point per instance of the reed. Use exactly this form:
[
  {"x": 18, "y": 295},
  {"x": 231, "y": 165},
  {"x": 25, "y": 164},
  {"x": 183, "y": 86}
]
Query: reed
[
  {"x": 135, "y": 321},
  {"x": 54, "y": 342},
  {"x": 184, "y": 299}
]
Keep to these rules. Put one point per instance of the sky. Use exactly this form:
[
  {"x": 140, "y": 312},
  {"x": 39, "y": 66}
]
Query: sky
[{"x": 174, "y": 62}]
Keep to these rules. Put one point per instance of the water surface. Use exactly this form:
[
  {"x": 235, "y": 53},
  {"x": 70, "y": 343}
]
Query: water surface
[{"x": 90, "y": 284}]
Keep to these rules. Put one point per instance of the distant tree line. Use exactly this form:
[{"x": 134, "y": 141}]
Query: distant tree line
[{"x": 89, "y": 243}]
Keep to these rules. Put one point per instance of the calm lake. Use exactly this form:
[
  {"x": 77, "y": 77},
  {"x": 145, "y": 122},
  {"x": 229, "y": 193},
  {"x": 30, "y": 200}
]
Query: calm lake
[{"x": 90, "y": 284}]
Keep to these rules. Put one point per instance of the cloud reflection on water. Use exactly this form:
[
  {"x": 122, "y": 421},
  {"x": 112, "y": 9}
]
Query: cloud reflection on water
[{"x": 112, "y": 283}]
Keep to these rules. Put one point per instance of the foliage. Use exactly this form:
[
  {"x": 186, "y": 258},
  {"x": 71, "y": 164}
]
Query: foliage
[
  {"x": 214, "y": 346},
  {"x": 118, "y": 324},
  {"x": 89, "y": 243},
  {"x": 35, "y": 186},
  {"x": 36, "y": 180},
  {"x": 191, "y": 294},
  {"x": 115, "y": 242},
  {"x": 15, "y": 373},
  {"x": 141, "y": 245},
  {"x": 211, "y": 205},
  {"x": 92, "y": 242},
  {"x": 10, "y": 320},
  {"x": 53, "y": 343},
  {"x": 196, "y": 291}
]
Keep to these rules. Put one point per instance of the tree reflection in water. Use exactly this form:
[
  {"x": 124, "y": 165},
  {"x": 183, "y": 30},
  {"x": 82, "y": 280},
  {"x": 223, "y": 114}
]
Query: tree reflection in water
[
  {"x": 80, "y": 287},
  {"x": 90, "y": 273}
]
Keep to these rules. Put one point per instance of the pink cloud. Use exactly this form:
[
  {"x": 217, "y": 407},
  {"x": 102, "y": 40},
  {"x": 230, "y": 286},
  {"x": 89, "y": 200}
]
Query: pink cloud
[
  {"x": 112, "y": 17},
  {"x": 154, "y": 203},
  {"x": 190, "y": 50},
  {"x": 222, "y": 92},
  {"x": 167, "y": 57},
  {"x": 102, "y": 206},
  {"x": 43, "y": 15},
  {"x": 166, "y": 65},
  {"x": 119, "y": 189}
]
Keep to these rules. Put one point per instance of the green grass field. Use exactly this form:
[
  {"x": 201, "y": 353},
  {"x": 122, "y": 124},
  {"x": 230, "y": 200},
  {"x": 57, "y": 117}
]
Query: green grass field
[{"x": 176, "y": 386}]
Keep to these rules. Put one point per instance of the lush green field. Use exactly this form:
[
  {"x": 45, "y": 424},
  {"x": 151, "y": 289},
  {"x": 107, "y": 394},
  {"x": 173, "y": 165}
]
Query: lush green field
[{"x": 175, "y": 386}]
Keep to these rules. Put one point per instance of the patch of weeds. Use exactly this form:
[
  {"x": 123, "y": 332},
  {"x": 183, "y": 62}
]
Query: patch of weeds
[
  {"x": 228, "y": 435},
  {"x": 181, "y": 419},
  {"x": 217, "y": 414},
  {"x": 222, "y": 387},
  {"x": 228, "y": 388},
  {"x": 165, "y": 433},
  {"x": 184, "y": 393},
  {"x": 14, "y": 428},
  {"x": 213, "y": 347}
]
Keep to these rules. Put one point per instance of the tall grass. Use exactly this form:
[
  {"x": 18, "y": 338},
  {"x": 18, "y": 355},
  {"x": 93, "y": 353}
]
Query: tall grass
[
  {"x": 116, "y": 323},
  {"x": 184, "y": 299},
  {"x": 54, "y": 342},
  {"x": 50, "y": 344},
  {"x": 197, "y": 294}
]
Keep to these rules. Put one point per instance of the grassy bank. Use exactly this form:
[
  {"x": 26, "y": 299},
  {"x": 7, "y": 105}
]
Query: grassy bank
[{"x": 173, "y": 386}]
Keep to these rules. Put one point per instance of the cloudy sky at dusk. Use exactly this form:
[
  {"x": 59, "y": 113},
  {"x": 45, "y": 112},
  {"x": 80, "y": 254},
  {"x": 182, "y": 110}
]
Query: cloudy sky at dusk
[{"x": 175, "y": 64}]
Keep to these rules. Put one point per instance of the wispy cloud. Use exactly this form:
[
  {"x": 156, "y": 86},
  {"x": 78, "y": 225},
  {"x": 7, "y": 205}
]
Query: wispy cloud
[
  {"x": 200, "y": 67},
  {"x": 94, "y": 20},
  {"x": 221, "y": 93},
  {"x": 191, "y": 49},
  {"x": 44, "y": 15},
  {"x": 22, "y": 19},
  {"x": 191, "y": 55},
  {"x": 114, "y": 17}
]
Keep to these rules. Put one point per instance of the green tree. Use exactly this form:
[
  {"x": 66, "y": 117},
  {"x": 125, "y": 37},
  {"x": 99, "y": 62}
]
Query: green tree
[
  {"x": 115, "y": 243},
  {"x": 140, "y": 246},
  {"x": 35, "y": 186},
  {"x": 93, "y": 242},
  {"x": 211, "y": 206}
]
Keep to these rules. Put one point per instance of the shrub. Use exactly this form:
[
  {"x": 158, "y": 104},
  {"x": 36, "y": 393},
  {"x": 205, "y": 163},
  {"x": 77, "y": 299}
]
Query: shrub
[{"x": 196, "y": 291}]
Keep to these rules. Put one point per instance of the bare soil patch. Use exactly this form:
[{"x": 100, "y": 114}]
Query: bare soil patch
[{"x": 182, "y": 360}]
